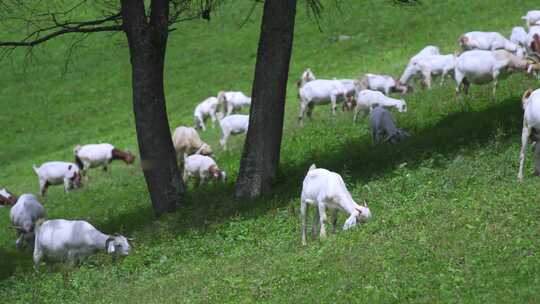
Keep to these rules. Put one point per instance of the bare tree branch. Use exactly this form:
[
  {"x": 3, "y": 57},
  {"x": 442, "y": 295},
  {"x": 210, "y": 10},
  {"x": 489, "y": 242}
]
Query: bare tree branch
[{"x": 30, "y": 43}]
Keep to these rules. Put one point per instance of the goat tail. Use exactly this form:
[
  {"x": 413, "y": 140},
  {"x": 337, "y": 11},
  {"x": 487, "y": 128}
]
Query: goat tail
[
  {"x": 36, "y": 168},
  {"x": 312, "y": 167}
]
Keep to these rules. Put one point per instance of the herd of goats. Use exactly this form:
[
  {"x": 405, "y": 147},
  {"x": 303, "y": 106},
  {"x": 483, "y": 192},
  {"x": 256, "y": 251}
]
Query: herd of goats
[{"x": 484, "y": 57}]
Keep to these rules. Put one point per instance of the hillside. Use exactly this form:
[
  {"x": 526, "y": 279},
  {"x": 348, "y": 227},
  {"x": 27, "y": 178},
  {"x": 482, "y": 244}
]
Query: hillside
[{"x": 451, "y": 223}]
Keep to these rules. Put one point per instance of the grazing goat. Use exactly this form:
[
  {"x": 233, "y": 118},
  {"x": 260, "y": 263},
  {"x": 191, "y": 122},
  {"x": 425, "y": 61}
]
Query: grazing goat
[
  {"x": 531, "y": 122},
  {"x": 427, "y": 66},
  {"x": 72, "y": 241},
  {"x": 320, "y": 92},
  {"x": 233, "y": 124},
  {"x": 56, "y": 173},
  {"x": 481, "y": 67},
  {"x": 382, "y": 124},
  {"x": 202, "y": 168},
  {"x": 366, "y": 99},
  {"x": 95, "y": 155},
  {"x": 205, "y": 109},
  {"x": 186, "y": 141},
  {"x": 426, "y": 51},
  {"x": 489, "y": 41},
  {"x": 532, "y": 18},
  {"x": 383, "y": 83},
  {"x": 232, "y": 101},
  {"x": 324, "y": 190},
  {"x": 519, "y": 36},
  {"x": 24, "y": 215}
]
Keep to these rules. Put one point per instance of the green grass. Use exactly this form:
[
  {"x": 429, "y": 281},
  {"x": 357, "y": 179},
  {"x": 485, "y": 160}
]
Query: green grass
[{"x": 451, "y": 223}]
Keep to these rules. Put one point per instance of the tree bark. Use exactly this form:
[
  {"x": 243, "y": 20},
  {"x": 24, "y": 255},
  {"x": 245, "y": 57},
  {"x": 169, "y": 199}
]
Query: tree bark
[
  {"x": 147, "y": 39},
  {"x": 260, "y": 159}
]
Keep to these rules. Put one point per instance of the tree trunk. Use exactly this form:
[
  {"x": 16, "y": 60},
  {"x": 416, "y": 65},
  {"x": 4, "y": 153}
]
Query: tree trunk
[
  {"x": 147, "y": 41},
  {"x": 260, "y": 159}
]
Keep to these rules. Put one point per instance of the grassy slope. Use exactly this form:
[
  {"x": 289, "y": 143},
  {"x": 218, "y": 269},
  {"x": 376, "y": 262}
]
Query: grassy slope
[{"x": 451, "y": 224}]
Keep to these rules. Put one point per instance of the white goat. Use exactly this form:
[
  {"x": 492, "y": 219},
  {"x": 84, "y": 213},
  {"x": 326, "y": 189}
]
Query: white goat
[
  {"x": 186, "y": 141},
  {"x": 232, "y": 101},
  {"x": 519, "y": 36},
  {"x": 532, "y": 18},
  {"x": 324, "y": 190},
  {"x": 320, "y": 92},
  {"x": 205, "y": 109},
  {"x": 233, "y": 124},
  {"x": 426, "y": 51},
  {"x": 486, "y": 41},
  {"x": 202, "y": 168},
  {"x": 427, "y": 66},
  {"x": 531, "y": 122},
  {"x": 95, "y": 155},
  {"x": 72, "y": 241},
  {"x": 382, "y": 83},
  {"x": 56, "y": 173},
  {"x": 24, "y": 215},
  {"x": 366, "y": 99},
  {"x": 480, "y": 67}
]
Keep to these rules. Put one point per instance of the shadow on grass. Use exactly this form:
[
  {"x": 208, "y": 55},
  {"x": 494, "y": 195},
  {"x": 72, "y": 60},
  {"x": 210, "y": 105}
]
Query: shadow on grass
[
  {"x": 212, "y": 204},
  {"x": 7, "y": 263},
  {"x": 365, "y": 162}
]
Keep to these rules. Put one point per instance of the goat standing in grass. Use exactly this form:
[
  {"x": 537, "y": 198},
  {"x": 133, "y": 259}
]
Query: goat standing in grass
[
  {"x": 72, "y": 241},
  {"x": 186, "y": 141},
  {"x": 202, "y": 168},
  {"x": 481, "y": 67},
  {"x": 232, "y": 125},
  {"x": 232, "y": 101},
  {"x": 95, "y": 155},
  {"x": 205, "y": 109},
  {"x": 56, "y": 173},
  {"x": 24, "y": 213},
  {"x": 324, "y": 190}
]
